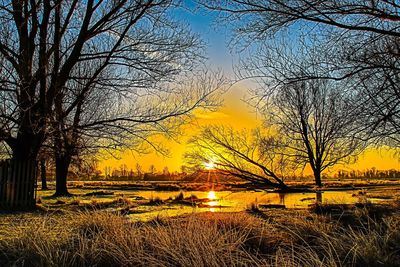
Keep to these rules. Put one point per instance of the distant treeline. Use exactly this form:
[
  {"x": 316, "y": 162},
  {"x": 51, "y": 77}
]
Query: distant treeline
[
  {"x": 369, "y": 173},
  {"x": 124, "y": 174}
]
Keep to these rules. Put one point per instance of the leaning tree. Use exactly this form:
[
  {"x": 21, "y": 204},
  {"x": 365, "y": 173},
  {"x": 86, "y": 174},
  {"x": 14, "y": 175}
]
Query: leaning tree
[{"x": 250, "y": 156}]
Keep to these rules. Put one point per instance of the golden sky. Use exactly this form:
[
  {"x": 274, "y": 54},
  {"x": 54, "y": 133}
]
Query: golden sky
[{"x": 236, "y": 113}]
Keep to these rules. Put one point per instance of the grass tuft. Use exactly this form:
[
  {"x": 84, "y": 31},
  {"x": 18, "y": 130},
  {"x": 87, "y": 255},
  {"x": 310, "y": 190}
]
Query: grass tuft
[
  {"x": 179, "y": 197},
  {"x": 155, "y": 201}
]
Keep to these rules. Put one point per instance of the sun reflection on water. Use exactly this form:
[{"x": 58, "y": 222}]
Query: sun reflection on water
[
  {"x": 213, "y": 202},
  {"x": 212, "y": 205}
]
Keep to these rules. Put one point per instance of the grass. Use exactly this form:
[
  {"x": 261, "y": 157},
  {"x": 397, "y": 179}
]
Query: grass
[
  {"x": 253, "y": 207},
  {"x": 91, "y": 229},
  {"x": 279, "y": 238}
]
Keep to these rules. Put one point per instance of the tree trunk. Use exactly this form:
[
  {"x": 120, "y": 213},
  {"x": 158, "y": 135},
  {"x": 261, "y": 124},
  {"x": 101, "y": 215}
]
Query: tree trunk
[
  {"x": 282, "y": 186},
  {"x": 280, "y": 183},
  {"x": 62, "y": 164},
  {"x": 43, "y": 174},
  {"x": 317, "y": 176},
  {"x": 25, "y": 147}
]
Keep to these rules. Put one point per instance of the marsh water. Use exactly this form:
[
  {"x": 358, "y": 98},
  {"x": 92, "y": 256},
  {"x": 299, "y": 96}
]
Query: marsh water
[{"x": 227, "y": 201}]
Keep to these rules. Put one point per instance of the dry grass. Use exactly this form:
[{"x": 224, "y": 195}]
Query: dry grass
[
  {"x": 105, "y": 239},
  {"x": 279, "y": 238}
]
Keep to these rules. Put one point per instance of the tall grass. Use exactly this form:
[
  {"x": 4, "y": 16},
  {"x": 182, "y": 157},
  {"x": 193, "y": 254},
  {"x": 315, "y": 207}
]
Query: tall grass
[{"x": 98, "y": 238}]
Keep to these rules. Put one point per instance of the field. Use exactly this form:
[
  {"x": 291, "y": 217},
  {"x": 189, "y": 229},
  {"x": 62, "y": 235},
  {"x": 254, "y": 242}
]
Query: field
[
  {"x": 95, "y": 228},
  {"x": 368, "y": 236}
]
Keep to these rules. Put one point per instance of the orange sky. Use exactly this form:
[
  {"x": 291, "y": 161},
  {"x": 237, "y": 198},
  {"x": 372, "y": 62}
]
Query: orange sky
[{"x": 236, "y": 113}]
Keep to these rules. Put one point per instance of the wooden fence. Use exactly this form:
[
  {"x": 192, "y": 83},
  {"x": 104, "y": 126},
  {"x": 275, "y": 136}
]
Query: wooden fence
[{"x": 17, "y": 184}]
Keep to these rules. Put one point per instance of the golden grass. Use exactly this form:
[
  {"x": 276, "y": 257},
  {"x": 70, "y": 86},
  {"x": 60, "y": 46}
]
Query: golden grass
[{"x": 278, "y": 238}]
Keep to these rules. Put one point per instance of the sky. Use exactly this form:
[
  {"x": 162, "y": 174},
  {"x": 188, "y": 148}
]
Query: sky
[{"x": 234, "y": 112}]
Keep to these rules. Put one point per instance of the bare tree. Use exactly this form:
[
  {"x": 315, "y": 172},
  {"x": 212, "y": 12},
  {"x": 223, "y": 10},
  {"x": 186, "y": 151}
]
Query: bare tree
[
  {"x": 361, "y": 41},
  {"x": 107, "y": 171},
  {"x": 319, "y": 120},
  {"x": 84, "y": 166},
  {"x": 60, "y": 60},
  {"x": 238, "y": 153},
  {"x": 165, "y": 171},
  {"x": 139, "y": 170},
  {"x": 152, "y": 169},
  {"x": 317, "y": 123},
  {"x": 311, "y": 122},
  {"x": 45, "y": 158},
  {"x": 363, "y": 15},
  {"x": 327, "y": 71},
  {"x": 43, "y": 174},
  {"x": 128, "y": 123},
  {"x": 43, "y": 43}
]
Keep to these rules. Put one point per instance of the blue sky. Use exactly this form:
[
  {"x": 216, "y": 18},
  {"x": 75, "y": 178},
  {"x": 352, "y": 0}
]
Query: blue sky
[{"x": 216, "y": 37}]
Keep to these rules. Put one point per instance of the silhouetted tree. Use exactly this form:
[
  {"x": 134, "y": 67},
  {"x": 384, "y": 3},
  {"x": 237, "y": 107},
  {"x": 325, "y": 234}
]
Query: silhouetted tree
[
  {"x": 319, "y": 121},
  {"x": 316, "y": 124},
  {"x": 323, "y": 71},
  {"x": 84, "y": 167},
  {"x": 60, "y": 59},
  {"x": 107, "y": 171},
  {"x": 43, "y": 174},
  {"x": 360, "y": 42},
  {"x": 237, "y": 153},
  {"x": 152, "y": 169},
  {"x": 166, "y": 171},
  {"x": 139, "y": 170}
]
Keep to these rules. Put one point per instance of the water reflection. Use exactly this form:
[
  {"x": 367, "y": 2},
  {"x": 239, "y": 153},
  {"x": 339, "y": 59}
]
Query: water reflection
[
  {"x": 282, "y": 198},
  {"x": 213, "y": 205},
  {"x": 227, "y": 201},
  {"x": 299, "y": 200},
  {"x": 318, "y": 197}
]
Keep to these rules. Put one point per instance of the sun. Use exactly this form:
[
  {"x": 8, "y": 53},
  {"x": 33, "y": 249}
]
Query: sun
[
  {"x": 211, "y": 195},
  {"x": 209, "y": 165}
]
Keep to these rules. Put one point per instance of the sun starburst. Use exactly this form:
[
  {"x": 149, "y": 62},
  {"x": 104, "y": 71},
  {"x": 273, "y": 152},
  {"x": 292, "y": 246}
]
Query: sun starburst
[
  {"x": 209, "y": 165},
  {"x": 211, "y": 195}
]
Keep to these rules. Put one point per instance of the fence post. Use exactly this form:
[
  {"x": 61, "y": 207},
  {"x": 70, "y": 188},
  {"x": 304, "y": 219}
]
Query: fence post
[{"x": 17, "y": 184}]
